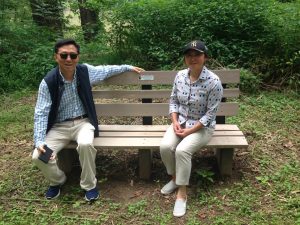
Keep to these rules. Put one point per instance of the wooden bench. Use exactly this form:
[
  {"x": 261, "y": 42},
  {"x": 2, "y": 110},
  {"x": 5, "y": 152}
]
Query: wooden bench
[{"x": 146, "y": 96}]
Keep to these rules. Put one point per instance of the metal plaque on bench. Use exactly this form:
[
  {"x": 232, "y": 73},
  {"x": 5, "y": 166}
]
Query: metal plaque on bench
[{"x": 146, "y": 77}]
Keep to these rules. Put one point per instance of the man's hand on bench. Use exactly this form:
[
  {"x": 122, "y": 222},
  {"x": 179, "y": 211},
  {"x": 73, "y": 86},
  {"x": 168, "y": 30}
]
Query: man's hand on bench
[{"x": 137, "y": 69}]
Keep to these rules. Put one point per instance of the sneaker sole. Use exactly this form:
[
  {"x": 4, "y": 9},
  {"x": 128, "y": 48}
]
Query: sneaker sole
[
  {"x": 169, "y": 192},
  {"x": 92, "y": 199},
  {"x": 179, "y": 214},
  {"x": 56, "y": 196},
  {"x": 182, "y": 212}
]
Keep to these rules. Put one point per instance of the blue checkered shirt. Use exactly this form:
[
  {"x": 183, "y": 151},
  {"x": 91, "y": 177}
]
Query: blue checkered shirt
[
  {"x": 198, "y": 100},
  {"x": 70, "y": 104}
]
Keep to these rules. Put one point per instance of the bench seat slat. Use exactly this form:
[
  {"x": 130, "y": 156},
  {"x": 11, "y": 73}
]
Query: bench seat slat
[
  {"x": 157, "y": 128},
  {"x": 154, "y": 142},
  {"x": 161, "y": 134},
  {"x": 149, "y": 136},
  {"x": 153, "y": 109}
]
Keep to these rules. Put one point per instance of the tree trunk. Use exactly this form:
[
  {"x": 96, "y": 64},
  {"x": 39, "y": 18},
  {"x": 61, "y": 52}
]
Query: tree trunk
[
  {"x": 48, "y": 13},
  {"x": 89, "y": 21}
]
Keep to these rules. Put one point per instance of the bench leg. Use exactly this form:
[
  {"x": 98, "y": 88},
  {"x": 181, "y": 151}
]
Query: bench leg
[
  {"x": 66, "y": 159},
  {"x": 225, "y": 160},
  {"x": 145, "y": 163}
]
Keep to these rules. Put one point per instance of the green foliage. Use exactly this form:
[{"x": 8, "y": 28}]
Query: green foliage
[
  {"x": 262, "y": 36},
  {"x": 26, "y": 56},
  {"x": 98, "y": 53},
  {"x": 137, "y": 208},
  {"x": 250, "y": 83},
  {"x": 281, "y": 61},
  {"x": 205, "y": 178},
  {"x": 25, "y": 48},
  {"x": 146, "y": 32}
]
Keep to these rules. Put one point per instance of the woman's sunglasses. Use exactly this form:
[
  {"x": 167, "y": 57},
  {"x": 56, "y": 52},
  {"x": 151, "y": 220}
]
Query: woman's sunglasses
[{"x": 65, "y": 55}]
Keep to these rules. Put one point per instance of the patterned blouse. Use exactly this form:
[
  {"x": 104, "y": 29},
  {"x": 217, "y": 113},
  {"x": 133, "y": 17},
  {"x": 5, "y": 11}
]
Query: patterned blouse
[{"x": 198, "y": 100}]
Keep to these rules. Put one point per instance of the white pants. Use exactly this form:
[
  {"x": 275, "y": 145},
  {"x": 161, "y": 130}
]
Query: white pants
[
  {"x": 81, "y": 131},
  {"x": 176, "y": 152}
]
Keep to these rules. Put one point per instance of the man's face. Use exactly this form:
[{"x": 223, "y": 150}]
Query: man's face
[
  {"x": 67, "y": 58},
  {"x": 194, "y": 59}
]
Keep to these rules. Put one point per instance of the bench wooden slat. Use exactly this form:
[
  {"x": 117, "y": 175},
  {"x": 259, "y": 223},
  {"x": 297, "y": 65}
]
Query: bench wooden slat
[
  {"x": 133, "y": 128},
  {"x": 131, "y": 134},
  {"x": 166, "y": 77},
  {"x": 156, "y": 94},
  {"x": 160, "y": 134},
  {"x": 228, "y": 142},
  {"x": 156, "y": 128},
  {"x": 154, "y": 142},
  {"x": 153, "y": 109}
]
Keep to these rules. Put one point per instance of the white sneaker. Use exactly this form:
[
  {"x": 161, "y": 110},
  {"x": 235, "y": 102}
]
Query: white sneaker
[
  {"x": 169, "y": 188},
  {"x": 179, "y": 207}
]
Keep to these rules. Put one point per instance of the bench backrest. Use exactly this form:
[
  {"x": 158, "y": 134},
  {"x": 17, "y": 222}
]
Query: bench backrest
[{"x": 110, "y": 99}]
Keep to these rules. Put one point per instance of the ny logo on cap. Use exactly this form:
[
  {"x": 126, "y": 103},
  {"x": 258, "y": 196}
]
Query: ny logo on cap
[{"x": 194, "y": 44}]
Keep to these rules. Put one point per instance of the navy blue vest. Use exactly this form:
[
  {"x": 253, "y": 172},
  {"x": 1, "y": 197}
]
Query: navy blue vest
[{"x": 84, "y": 88}]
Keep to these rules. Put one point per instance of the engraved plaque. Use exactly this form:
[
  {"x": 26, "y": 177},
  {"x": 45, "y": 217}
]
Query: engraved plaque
[{"x": 146, "y": 77}]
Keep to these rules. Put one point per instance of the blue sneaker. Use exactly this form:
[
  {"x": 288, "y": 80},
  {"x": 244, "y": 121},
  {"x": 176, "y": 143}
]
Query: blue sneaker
[
  {"x": 53, "y": 192},
  {"x": 92, "y": 195}
]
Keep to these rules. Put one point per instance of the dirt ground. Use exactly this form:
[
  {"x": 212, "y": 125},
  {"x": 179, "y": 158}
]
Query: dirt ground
[
  {"x": 117, "y": 170},
  {"x": 117, "y": 174},
  {"x": 118, "y": 180}
]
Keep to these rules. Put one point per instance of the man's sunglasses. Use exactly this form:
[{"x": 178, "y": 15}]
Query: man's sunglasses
[{"x": 65, "y": 55}]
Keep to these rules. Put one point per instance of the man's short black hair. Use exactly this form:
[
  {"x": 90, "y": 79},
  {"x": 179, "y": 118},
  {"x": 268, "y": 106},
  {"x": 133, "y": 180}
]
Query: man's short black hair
[{"x": 63, "y": 42}]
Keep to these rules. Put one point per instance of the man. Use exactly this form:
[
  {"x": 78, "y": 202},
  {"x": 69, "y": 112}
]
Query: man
[{"x": 65, "y": 111}]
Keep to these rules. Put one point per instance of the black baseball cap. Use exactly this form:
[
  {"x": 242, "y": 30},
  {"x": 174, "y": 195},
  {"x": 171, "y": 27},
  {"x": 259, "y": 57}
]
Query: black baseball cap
[{"x": 195, "y": 45}]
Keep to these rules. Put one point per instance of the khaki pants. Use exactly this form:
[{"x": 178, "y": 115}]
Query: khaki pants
[
  {"x": 176, "y": 153},
  {"x": 57, "y": 138}
]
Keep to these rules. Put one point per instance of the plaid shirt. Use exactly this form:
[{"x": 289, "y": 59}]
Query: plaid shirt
[
  {"x": 196, "y": 101},
  {"x": 70, "y": 104}
]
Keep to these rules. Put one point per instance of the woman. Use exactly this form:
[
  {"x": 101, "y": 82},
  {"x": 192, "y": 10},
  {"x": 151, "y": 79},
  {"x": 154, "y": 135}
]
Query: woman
[{"x": 194, "y": 101}]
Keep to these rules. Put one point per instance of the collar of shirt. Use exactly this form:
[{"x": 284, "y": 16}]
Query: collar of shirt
[
  {"x": 203, "y": 75},
  {"x": 64, "y": 80}
]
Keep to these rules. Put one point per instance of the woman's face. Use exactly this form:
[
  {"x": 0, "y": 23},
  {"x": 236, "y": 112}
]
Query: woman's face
[{"x": 194, "y": 60}]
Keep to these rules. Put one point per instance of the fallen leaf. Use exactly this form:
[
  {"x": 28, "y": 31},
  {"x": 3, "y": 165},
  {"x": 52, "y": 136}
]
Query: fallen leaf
[
  {"x": 223, "y": 197},
  {"x": 288, "y": 145},
  {"x": 242, "y": 153},
  {"x": 202, "y": 215},
  {"x": 137, "y": 194}
]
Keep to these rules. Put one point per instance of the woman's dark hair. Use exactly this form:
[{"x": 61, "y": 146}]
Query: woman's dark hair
[{"x": 63, "y": 42}]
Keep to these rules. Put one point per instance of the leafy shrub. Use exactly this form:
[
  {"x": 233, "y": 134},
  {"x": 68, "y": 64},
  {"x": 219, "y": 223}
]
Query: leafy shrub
[
  {"x": 260, "y": 35},
  {"x": 250, "y": 82},
  {"x": 26, "y": 57},
  {"x": 154, "y": 31},
  {"x": 282, "y": 60},
  {"x": 98, "y": 52},
  {"x": 147, "y": 32},
  {"x": 205, "y": 178}
]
